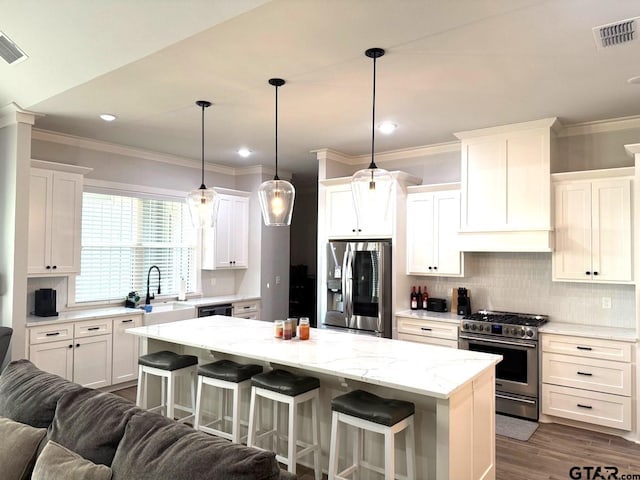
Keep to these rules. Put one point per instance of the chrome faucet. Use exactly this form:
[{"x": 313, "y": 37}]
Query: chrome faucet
[{"x": 150, "y": 297}]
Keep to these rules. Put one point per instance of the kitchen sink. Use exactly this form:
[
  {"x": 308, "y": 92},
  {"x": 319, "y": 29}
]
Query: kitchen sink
[{"x": 168, "y": 312}]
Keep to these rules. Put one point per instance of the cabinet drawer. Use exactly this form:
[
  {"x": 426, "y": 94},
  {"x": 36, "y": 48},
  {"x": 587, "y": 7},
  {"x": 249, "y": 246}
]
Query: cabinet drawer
[
  {"x": 428, "y": 328},
  {"x": 95, "y": 327},
  {"x": 587, "y": 373},
  {"x": 587, "y": 347},
  {"x": 245, "y": 307},
  {"x": 428, "y": 340},
  {"x": 50, "y": 333},
  {"x": 248, "y": 315},
  {"x": 591, "y": 407}
]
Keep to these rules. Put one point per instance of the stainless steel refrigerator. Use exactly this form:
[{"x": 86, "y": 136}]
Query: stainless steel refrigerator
[{"x": 359, "y": 287}]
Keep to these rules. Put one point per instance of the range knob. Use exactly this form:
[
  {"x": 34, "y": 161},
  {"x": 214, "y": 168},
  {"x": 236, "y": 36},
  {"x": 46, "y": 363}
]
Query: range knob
[
  {"x": 520, "y": 332},
  {"x": 487, "y": 328},
  {"x": 465, "y": 326},
  {"x": 473, "y": 326},
  {"x": 529, "y": 333}
]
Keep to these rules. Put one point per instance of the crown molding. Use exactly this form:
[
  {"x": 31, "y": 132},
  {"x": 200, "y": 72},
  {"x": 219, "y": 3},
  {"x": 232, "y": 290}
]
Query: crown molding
[
  {"x": 601, "y": 126},
  {"x": 12, "y": 113},
  {"x": 124, "y": 150}
]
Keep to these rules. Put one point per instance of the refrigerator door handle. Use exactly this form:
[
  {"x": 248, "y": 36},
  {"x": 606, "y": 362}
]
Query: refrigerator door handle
[{"x": 347, "y": 273}]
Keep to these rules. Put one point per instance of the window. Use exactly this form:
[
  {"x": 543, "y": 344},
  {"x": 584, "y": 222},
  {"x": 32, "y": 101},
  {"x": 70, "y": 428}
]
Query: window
[{"x": 122, "y": 236}]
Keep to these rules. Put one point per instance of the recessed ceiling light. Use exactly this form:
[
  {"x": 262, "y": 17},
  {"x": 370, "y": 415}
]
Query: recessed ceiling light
[
  {"x": 387, "y": 127},
  {"x": 244, "y": 152},
  {"x": 634, "y": 80},
  {"x": 107, "y": 117}
]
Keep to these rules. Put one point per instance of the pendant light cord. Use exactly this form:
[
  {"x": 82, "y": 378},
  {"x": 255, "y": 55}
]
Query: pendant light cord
[
  {"x": 202, "y": 186},
  {"x": 373, "y": 117},
  {"x": 276, "y": 176}
]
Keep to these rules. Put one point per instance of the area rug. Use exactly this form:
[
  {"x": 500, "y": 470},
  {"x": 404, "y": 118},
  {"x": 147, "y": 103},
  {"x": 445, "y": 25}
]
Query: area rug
[{"x": 515, "y": 427}]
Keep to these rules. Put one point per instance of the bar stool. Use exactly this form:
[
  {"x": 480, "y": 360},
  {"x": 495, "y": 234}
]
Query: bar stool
[
  {"x": 293, "y": 390},
  {"x": 168, "y": 366},
  {"x": 227, "y": 376},
  {"x": 367, "y": 411}
]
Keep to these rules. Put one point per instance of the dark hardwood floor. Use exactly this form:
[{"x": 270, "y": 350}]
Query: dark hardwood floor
[{"x": 550, "y": 454}]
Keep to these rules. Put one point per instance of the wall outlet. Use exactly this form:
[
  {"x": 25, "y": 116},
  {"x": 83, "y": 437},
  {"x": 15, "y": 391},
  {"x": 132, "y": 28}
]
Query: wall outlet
[
  {"x": 213, "y": 281},
  {"x": 606, "y": 302},
  {"x": 277, "y": 279}
]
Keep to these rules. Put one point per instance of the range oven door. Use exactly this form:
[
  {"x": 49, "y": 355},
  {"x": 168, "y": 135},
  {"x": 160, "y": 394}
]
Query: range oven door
[{"x": 516, "y": 374}]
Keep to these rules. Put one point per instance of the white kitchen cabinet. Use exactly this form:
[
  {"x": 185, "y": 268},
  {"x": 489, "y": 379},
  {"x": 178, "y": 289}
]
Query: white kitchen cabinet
[
  {"x": 55, "y": 215},
  {"x": 226, "y": 245},
  {"x": 78, "y": 351},
  {"x": 342, "y": 221},
  {"x": 593, "y": 224},
  {"x": 126, "y": 349},
  {"x": 432, "y": 332},
  {"x": 506, "y": 187},
  {"x": 249, "y": 309},
  {"x": 433, "y": 221},
  {"x": 588, "y": 380}
]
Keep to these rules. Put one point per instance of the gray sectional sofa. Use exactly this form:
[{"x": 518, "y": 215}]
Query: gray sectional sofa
[{"x": 46, "y": 421}]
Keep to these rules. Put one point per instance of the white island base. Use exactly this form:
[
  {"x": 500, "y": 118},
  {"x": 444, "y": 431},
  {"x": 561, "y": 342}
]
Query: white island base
[{"x": 453, "y": 390}]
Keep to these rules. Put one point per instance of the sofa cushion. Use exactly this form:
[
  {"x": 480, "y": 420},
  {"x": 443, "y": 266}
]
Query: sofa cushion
[
  {"x": 91, "y": 423},
  {"x": 157, "y": 448},
  {"x": 59, "y": 463},
  {"x": 18, "y": 448},
  {"x": 29, "y": 395}
]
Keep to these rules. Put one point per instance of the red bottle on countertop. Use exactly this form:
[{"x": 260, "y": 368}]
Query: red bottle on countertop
[
  {"x": 425, "y": 298},
  {"x": 414, "y": 299}
]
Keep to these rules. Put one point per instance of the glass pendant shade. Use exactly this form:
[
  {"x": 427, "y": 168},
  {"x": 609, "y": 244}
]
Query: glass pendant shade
[
  {"x": 203, "y": 207},
  {"x": 203, "y": 202},
  {"x": 371, "y": 189},
  {"x": 276, "y": 202}
]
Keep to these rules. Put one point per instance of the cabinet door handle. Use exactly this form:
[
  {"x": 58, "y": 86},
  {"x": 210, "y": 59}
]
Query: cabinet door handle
[
  {"x": 583, "y": 348},
  {"x": 55, "y": 266},
  {"x": 425, "y": 329},
  {"x": 587, "y": 273},
  {"x": 93, "y": 328},
  {"x": 435, "y": 268},
  {"x": 127, "y": 321},
  {"x": 77, "y": 345},
  {"x": 48, "y": 267},
  {"x": 588, "y": 407},
  {"x": 70, "y": 346},
  {"x": 586, "y": 374},
  {"x": 595, "y": 273},
  {"x": 52, "y": 334}
]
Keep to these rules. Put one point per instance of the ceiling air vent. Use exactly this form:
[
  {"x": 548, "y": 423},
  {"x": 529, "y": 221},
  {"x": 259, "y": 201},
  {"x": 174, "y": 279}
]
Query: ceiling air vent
[
  {"x": 9, "y": 51},
  {"x": 617, "y": 33}
]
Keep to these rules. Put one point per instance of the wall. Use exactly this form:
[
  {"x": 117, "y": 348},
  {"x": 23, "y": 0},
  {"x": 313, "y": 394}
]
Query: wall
[{"x": 521, "y": 282}]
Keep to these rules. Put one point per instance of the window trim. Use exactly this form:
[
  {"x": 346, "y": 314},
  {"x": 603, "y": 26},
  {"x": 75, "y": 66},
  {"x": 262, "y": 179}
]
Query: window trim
[{"x": 138, "y": 191}]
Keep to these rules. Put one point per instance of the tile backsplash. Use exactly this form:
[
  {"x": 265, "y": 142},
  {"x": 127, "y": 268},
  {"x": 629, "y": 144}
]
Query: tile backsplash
[{"x": 521, "y": 282}]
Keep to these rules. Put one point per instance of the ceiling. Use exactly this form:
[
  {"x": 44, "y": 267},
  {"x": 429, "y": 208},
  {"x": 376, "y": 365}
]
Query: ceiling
[{"x": 450, "y": 65}]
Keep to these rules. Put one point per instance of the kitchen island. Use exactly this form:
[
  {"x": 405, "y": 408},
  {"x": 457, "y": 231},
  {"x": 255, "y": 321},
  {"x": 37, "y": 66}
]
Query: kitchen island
[{"x": 453, "y": 390}]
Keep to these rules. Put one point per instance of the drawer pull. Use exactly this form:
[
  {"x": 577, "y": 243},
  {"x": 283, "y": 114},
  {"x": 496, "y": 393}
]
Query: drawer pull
[
  {"x": 586, "y": 374},
  {"x": 53, "y": 334},
  {"x": 93, "y": 328},
  {"x": 583, "y": 348},
  {"x": 127, "y": 321},
  {"x": 426, "y": 329},
  {"x": 588, "y": 407}
]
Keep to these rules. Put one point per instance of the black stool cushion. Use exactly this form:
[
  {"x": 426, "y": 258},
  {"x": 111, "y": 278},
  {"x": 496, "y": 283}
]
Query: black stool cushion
[
  {"x": 229, "y": 371},
  {"x": 167, "y": 360},
  {"x": 365, "y": 405},
  {"x": 285, "y": 382}
]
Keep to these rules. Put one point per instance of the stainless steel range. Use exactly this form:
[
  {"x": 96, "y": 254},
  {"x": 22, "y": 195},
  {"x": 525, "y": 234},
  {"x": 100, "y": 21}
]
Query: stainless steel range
[{"x": 515, "y": 337}]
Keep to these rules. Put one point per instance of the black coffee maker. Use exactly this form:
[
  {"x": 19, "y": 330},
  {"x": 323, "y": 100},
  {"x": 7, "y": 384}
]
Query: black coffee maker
[
  {"x": 45, "y": 303},
  {"x": 464, "y": 302}
]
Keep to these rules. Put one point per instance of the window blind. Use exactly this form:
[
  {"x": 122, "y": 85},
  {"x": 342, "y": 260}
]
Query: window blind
[{"x": 122, "y": 236}]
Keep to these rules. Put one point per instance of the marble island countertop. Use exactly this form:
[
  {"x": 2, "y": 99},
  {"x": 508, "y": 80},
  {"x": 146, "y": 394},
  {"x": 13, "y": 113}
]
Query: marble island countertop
[{"x": 423, "y": 369}]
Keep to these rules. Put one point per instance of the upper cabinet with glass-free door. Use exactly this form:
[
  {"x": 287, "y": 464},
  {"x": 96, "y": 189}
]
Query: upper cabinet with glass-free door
[
  {"x": 55, "y": 218},
  {"x": 593, "y": 226}
]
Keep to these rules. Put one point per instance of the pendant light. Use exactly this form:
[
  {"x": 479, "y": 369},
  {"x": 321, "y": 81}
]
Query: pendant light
[
  {"x": 371, "y": 187},
  {"x": 276, "y": 196},
  {"x": 203, "y": 202}
]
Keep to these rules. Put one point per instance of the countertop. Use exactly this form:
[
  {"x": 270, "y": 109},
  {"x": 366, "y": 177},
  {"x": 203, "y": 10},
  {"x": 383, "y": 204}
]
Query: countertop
[
  {"x": 423, "y": 369},
  {"x": 589, "y": 331},
  {"x": 94, "y": 313},
  {"x": 448, "y": 317}
]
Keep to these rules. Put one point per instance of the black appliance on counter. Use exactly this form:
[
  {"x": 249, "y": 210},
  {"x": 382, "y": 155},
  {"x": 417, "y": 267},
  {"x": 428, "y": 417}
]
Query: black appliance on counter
[
  {"x": 464, "y": 302},
  {"x": 515, "y": 337},
  {"x": 45, "y": 303},
  {"x": 436, "y": 304}
]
